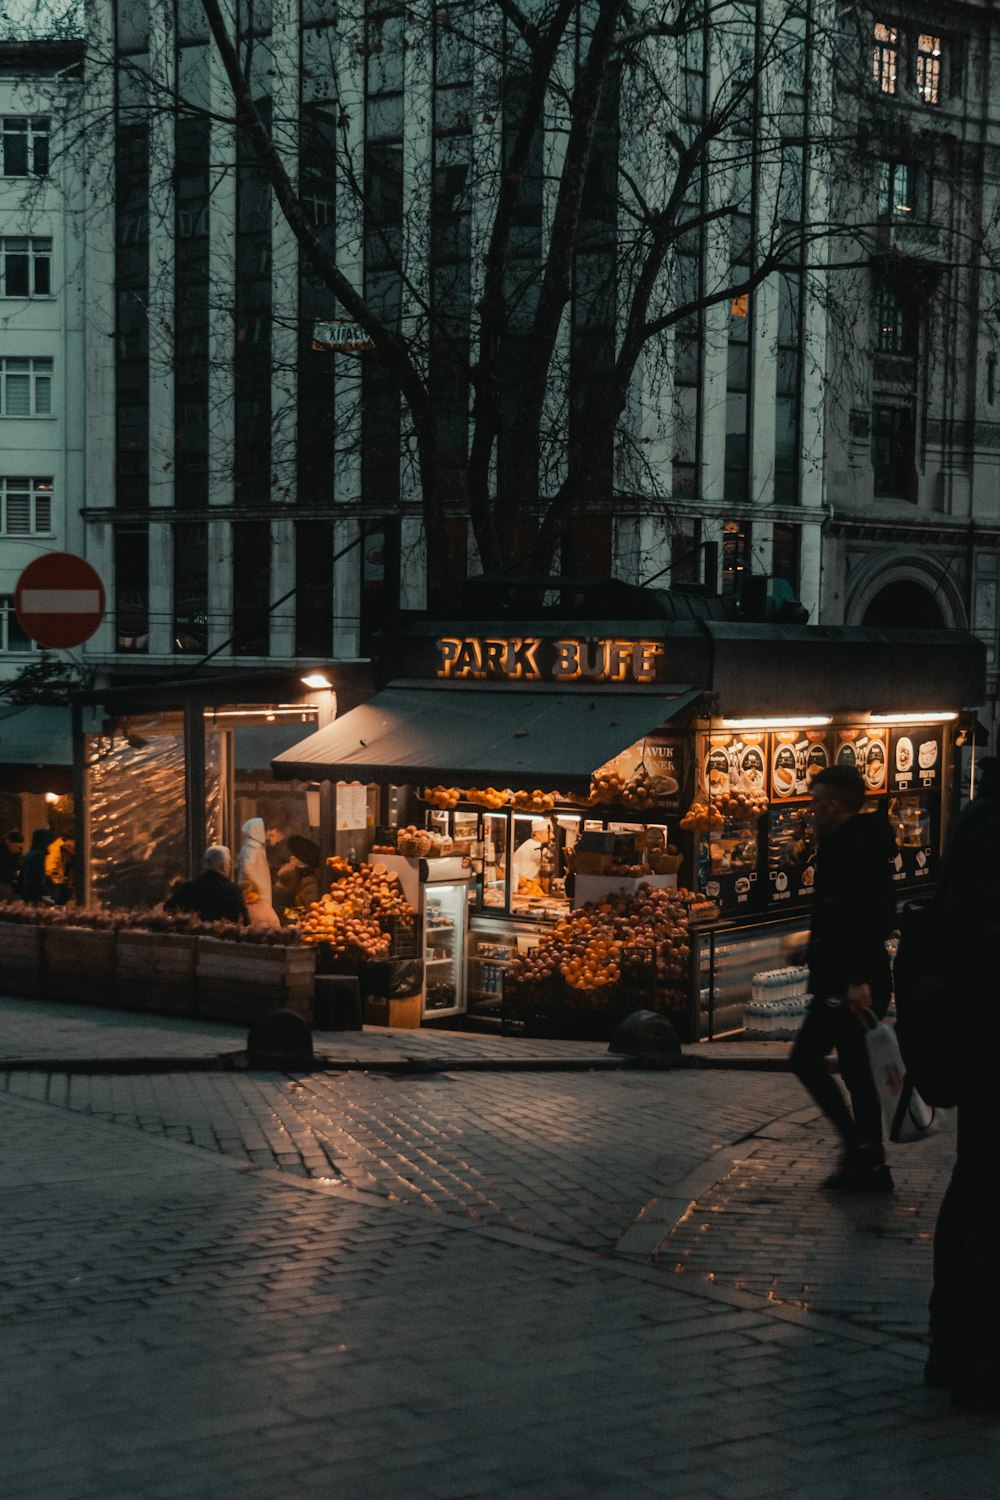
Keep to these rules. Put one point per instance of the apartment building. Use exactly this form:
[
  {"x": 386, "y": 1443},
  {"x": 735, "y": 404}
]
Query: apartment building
[
  {"x": 42, "y": 301},
  {"x": 816, "y": 397}
]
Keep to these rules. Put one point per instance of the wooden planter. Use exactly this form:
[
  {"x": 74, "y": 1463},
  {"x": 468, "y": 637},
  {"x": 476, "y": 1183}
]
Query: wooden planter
[
  {"x": 20, "y": 959},
  {"x": 78, "y": 963},
  {"x": 242, "y": 981},
  {"x": 155, "y": 972}
]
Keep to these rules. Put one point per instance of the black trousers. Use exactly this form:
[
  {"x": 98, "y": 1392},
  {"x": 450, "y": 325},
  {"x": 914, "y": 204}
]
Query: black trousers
[
  {"x": 965, "y": 1302},
  {"x": 825, "y": 1029}
]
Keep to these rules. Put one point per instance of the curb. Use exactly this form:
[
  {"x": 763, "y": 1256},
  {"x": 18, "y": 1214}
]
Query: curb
[{"x": 228, "y": 1062}]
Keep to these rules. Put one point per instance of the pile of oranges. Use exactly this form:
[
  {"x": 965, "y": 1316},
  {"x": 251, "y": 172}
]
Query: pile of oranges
[
  {"x": 354, "y": 915},
  {"x": 589, "y": 948}
]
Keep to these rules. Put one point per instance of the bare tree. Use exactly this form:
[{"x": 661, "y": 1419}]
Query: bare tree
[{"x": 589, "y": 182}]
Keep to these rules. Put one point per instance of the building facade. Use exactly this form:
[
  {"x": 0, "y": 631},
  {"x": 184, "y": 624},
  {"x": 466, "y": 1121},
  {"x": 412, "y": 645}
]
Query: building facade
[
  {"x": 42, "y": 299},
  {"x": 816, "y": 397}
]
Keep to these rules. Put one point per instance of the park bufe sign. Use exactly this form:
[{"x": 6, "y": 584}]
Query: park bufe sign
[{"x": 533, "y": 658}]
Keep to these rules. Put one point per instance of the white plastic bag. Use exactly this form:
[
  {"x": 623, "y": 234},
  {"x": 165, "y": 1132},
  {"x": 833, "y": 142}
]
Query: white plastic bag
[{"x": 905, "y": 1116}]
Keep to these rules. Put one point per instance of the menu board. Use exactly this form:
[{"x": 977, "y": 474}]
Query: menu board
[
  {"x": 914, "y": 821},
  {"x": 735, "y": 760},
  {"x": 915, "y": 757},
  {"x": 791, "y": 855},
  {"x": 797, "y": 756},
  {"x": 865, "y": 747},
  {"x": 662, "y": 763}
]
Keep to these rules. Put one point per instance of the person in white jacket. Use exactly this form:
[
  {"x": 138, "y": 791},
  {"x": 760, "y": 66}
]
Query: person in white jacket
[{"x": 253, "y": 875}]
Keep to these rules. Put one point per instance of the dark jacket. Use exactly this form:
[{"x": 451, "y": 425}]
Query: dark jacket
[
  {"x": 854, "y": 910},
  {"x": 967, "y": 908},
  {"x": 33, "y": 884},
  {"x": 212, "y": 896}
]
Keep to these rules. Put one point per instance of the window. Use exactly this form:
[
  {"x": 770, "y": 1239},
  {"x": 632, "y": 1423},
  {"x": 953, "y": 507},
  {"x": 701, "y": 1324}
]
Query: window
[
  {"x": 13, "y": 636},
  {"x": 896, "y": 189},
  {"x": 25, "y": 146},
  {"x": 895, "y": 330},
  {"x": 735, "y": 556},
  {"x": 131, "y": 588},
  {"x": 892, "y": 451},
  {"x": 25, "y": 507},
  {"x": 25, "y": 387},
  {"x": 885, "y": 57},
  {"x": 929, "y": 68},
  {"x": 25, "y": 267}
]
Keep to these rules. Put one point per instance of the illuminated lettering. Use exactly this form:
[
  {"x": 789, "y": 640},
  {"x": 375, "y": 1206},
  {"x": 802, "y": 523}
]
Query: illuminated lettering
[
  {"x": 448, "y": 649},
  {"x": 469, "y": 660},
  {"x": 494, "y": 658},
  {"x": 594, "y": 660},
  {"x": 521, "y": 659},
  {"x": 645, "y": 655},
  {"x": 618, "y": 658},
  {"x": 515, "y": 658},
  {"x": 567, "y": 663}
]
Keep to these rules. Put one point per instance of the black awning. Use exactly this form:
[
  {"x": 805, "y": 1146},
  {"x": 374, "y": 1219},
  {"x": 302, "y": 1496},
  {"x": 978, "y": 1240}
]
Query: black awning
[{"x": 505, "y": 736}]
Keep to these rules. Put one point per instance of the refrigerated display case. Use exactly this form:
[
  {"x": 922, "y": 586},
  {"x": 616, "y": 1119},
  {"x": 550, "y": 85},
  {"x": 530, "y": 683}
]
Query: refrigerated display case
[{"x": 444, "y": 913}]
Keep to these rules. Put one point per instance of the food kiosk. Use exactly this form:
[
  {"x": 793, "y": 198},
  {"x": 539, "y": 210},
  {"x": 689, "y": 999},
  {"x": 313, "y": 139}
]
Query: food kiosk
[{"x": 671, "y": 757}]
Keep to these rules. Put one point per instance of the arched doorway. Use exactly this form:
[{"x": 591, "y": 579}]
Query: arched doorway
[{"x": 906, "y": 604}]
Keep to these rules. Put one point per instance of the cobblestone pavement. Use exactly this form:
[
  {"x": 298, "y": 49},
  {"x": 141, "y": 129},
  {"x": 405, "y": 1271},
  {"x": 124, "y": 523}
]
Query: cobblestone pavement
[
  {"x": 180, "y": 1325},
  {"x": 576, "y": 1156}
]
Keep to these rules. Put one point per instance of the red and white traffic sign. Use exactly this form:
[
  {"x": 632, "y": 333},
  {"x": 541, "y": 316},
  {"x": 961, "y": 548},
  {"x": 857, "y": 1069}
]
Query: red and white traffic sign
[{"x": 59, "y": 600}]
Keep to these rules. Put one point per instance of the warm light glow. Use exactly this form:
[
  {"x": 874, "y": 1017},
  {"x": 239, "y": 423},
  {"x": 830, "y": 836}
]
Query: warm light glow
[
  {"x": 316, "y": 680},
  {"x": 52, "y": 796},
  {"x": 934, "y": 716},
  {"x": 803, "y": 721}
]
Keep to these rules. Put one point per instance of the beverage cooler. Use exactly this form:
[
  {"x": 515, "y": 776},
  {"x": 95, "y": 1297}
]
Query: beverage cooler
[{"x": 444, "y": 919}]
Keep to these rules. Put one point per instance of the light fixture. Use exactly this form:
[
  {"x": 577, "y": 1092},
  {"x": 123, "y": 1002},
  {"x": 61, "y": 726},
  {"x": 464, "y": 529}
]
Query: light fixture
[
  {"x": 933, "y": 716},
  {"x": 316, "y": 680},
  {"x": 51, "y": 797},
  {"x": 802, "y": 721}
]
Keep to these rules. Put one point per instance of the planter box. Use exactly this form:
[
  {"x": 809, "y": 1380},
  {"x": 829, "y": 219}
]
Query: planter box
[
  {"x": 155, "y": 972},
  {"x": 78, "y": 963},
  {"x": 243, "y": 981},
  {"x": 20, "y": 959}
]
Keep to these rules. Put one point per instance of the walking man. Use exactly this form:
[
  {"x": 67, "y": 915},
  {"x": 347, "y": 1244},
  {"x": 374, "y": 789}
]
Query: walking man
[{"x": 849, "y": 974}]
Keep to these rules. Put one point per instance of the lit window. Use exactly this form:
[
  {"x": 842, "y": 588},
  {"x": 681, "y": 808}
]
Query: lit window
[
  {"x": 25, "y": 144},
  {"x": 741, "y": 305},
  {"x": 896, "y": 195},
  {"x": 885, "y": 54},
  {"x": 25, "y": 507},
  {"x": 25, "y": 387},
  {"x": 25, "y": 266},
  {"x": 929, "y": 68}
]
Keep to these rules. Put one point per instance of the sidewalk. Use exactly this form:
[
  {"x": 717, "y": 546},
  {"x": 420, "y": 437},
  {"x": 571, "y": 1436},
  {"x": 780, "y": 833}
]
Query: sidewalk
[
  {"x": 45, "y": 1034},
  {"x": 618, "y": 1285}
]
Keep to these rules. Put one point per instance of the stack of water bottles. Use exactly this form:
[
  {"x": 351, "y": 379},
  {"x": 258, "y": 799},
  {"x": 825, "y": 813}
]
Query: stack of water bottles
[{"x": 779, "y": 998}]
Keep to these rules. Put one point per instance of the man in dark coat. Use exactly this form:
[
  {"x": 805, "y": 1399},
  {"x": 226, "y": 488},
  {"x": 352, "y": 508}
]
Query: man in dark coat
[
  {"x": 33, "y": 883},
  {"x": 965, "y": 1302},
  {"x": 11, "y": 855},
  {"x": 849, "y": 973},
  {"x": 211, "y": 895}
]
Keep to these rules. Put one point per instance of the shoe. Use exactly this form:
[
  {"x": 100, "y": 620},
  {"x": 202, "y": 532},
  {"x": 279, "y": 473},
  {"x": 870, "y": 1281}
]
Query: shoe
[{"x": 859, "y": 1172}]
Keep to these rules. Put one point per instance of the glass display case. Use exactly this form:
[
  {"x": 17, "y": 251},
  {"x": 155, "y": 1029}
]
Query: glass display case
[{"x": 445, "y": 907}]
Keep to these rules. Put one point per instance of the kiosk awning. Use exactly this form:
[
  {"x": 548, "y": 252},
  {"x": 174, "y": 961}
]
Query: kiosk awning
[{"x": 483, "y": 735}]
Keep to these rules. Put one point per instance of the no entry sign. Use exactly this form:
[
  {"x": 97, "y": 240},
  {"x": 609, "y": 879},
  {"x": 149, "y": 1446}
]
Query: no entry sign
[{"x": 59, "y": 600}]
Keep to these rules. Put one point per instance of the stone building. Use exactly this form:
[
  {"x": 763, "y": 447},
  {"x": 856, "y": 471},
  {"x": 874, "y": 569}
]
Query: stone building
[
  {"x": 822, "y": 414},
  {"x": 42, "y": 384}
]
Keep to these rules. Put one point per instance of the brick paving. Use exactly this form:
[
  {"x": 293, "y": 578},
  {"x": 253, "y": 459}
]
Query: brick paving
[
  {"x": 257, "y": 1287},
  {"x": 178, "y": 1325}
]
